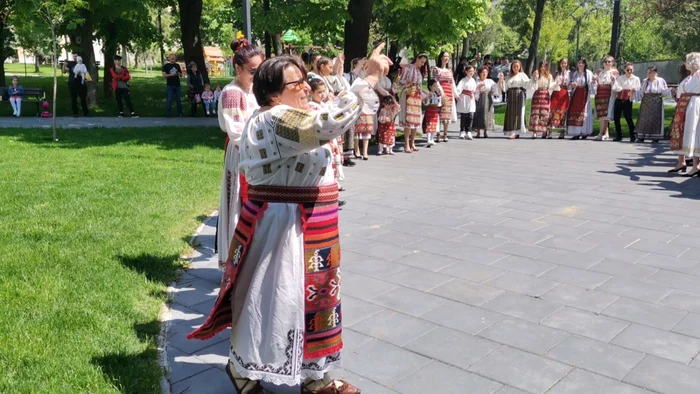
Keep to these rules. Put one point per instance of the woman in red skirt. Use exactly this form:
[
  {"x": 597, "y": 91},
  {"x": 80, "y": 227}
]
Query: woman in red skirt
[
  {"x": 682, "y": 100},
  {"x": 443, "y": 74},
  {"x": 602, "y": 84},
  {"x": 560, "y": 100},
  {"x": 543, "y": 83},
  {"x": 410, "y": 93},
  {"x": 386, "y": 132}
]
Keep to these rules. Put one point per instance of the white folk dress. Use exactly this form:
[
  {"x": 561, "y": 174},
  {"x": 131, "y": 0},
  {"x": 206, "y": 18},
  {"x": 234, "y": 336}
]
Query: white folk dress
[
  {"x": 467, "y": 103},
  {"x": 519, "y": 81},
  {"x": 235, "y": 108},
  {"x": 691, "y": 135},
  {"x": 645, "y": 124},
  {"x": 587, "y": 128},
  {"x": 281, "y": 147}
]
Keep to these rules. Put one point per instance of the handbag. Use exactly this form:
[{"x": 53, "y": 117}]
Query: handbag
[
  {"x": 197, "y": 98},
  {"x": 88, "y": 77}
]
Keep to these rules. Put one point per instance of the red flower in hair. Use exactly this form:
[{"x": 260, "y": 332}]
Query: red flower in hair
[{"x": 244, "y": 43}]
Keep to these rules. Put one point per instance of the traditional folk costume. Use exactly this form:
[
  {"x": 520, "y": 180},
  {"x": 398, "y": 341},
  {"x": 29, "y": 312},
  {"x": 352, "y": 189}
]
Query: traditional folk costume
[
  {"x": 625, "y": 90},
  {"x": 539, "y": 108},
  {"x": 235, "y": 107},
  {"x": 280, "y": 292},
  {"x": 515, "y": 88},
  {"x": 335, "y": 145},
  {"x": 483, "y": 116},
  {"x": 433, "y": 103},
  {"x": 579, "y": 118},
  {"x": 448, "y": 111},
  {"x": 691, "y": 126},
  {"x": 651, "y": 111},
  {"x": 410, "y": 86},
  {"x": 602, "y": 86},
  {"x": 682, "y": 100},
  {"x": 466, "y": 107},
  {"x": 386, "y": 133},
  {"x": 559, "y": 103}
]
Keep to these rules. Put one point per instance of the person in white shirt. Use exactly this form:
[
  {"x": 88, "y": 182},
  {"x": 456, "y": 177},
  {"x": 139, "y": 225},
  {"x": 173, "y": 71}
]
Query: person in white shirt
[
  {"x": 466, "y": 106},
  {"x": 625, "y": 87},
  {"x": 651, "y": 109},
  {"x": 604, "y": 101},
  {"x": 515, "y": 87}
]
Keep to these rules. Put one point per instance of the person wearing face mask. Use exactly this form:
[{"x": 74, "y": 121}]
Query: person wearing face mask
[
  {"x": 651, "y": 110},
  {"x": 280, "y": 292},
  {"x": 625, "y": 89},
  {"x": 236, "y": 105}
]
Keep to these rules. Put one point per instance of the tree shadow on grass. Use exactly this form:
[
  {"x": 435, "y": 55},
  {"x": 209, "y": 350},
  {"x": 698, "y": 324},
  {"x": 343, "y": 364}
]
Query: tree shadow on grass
[
  {"x": 158, "y": 269},
  {"x": 658, "y": 159},
  {"x": 167, "y": 138}
]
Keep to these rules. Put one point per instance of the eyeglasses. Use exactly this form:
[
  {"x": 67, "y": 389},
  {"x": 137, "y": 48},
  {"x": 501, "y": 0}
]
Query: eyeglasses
[
  {"x": 250, "y": 70},
  {"x": 297, "y": 85},
  {"x": 608, "y": 61},
  {"x": 629, "y": 70}
]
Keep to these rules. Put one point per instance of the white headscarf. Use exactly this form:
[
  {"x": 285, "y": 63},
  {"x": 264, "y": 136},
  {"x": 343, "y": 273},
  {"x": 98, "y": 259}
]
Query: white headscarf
[{"x": 80, "y": 68}]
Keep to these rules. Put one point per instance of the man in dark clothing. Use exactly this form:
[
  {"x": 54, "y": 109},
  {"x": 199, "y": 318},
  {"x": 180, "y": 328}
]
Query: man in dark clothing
[
  {"x": 76, "y": 86},
  {"x": 120, "y": 86},
  {"x": 172, "y": 73}
]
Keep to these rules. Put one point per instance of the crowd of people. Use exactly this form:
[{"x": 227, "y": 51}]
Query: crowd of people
[{"x": 288, "y": 122}]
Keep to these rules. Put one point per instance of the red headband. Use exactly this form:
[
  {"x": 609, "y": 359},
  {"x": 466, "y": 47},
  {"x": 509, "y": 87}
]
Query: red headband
[{"x": 244, "y": 43}]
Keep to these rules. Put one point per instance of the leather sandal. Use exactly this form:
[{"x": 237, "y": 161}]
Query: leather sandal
[
  {"x": 255, "y": 386},
  {"x": 344, "y": 388}
]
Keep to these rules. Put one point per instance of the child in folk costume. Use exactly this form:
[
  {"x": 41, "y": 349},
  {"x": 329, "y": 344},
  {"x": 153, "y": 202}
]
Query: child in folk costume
[
  {"x": 467, "y": 105},
  {"x": 386, "y": 134},
  {"x": 433, "y": 101}
]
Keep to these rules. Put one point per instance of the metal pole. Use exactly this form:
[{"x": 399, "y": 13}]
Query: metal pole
[
  {"x": 246, "y": 20},
  {"x": 615, "y": 29},
  {"x": 24, "y": 52}
]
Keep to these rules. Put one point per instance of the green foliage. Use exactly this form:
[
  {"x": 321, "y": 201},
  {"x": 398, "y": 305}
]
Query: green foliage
[
  {"x": 495, "y": 37},
  {"x": 216, "y": 28}
]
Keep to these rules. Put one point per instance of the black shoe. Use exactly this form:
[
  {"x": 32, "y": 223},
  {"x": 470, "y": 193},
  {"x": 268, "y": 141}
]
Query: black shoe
[
  {"x": 134, "y": 116},
  {"x": 349, "y": 163},
  {"x": 576, "y": 137},
  {"x": 654, "y": 141},
  {"x": 121, "y": 114},
  {"x": 618, "y": 139},
  {"x": 674, "y": 170},
  {"x": 584, "y": 137},
  {"x": 696, "y": 173},
  {"x": 640, "y": 140},
  {"x": 341, "y": 203}
]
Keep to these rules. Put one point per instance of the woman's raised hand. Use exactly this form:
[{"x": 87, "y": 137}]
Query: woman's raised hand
[{"x": 378, "y": 64}]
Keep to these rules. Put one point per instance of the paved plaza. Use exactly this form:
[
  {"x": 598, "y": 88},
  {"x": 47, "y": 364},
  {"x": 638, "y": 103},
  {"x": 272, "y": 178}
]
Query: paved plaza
[{"x": 499, "y": 267}]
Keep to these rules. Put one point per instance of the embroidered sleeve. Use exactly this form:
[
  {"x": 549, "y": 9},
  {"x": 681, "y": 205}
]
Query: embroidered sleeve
[
  {"x": 297, "y": 131},
  {"x": 233, "y": 109}
]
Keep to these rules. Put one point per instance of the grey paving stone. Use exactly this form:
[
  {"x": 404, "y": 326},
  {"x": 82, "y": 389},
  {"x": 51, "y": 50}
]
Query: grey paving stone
[
  {"x": 520, "y": 369},
  {"x": 520, "y": 224},
  {"x": 466, "y": 292},
  {"x": 419, "y": 279},
  {"x": 598, "y": 216},
  {"x": 393, "y": 327},
  {"x": 696, "y": 362},
  {"x": 665, "y": 376},
  {"x": 522, "y": 307},
  {"x": 573, "y": 245},
  {"x": 383, "y": 363},
  {"x": 486, "y": 230},
  {"x": 409, "y": 301},
  {"x": 618, "y": 253},
  {"x": 676, "y": 280},
  {"x": 643, "y": 223},
  {"x": 189, "y": 292},
  {"x": 523, "y": 236},
  {"x": 583, "y": 382},
  {"x": 605, "y": 228},
  {"x": 366, "y": 385},
  {"x": 353, "y": 339},
  {"x": 356, "y": 310},
  {"x": 571, "y": 259},
  {"x": 563, "y": 220},
  {"x": 440, "y": 378},
  {"x": 523, "y": 215},
  {"x": 355, "y": 244},
  {"x": 177, "y": 337},
  {"x": 375, "y": 268},
  {"x": 509, "y": 390},
  {"x": 575, "y": 276},
  {"x": 477, "y": 255},
  {"x": 610, "y": 240},
  {"x": 683, "y": 300},
  {"x": 578, "y": 297},
  {"x": 520, "y": 334},
  {"x": 685, "y": 240},
  {"x": 387, "y": 251},
  {"x": 635, "y": 289},
  {"x": 478, "y": 241},
  {"x": 661, "y": 248},
  {"x": 521, "y": 283},
  {"x": 427, "y": 261},
  {"x": 649, "y": 235},
  {"x": 349, "y": 257},
  {"x": 183, "y": 365},
  {"x": 211, "y": 381},
  {"x": 690, "y": 325},
  {"x": 524, "y": 265},
  {"x": 660, "y": 343},
  {"x": 461, "y": 317},
  {"x": 216, "y": 355},
  {"x": 364, "y": 287},
  {"x": 564, "y": 231},
  {"x": 452, "y": 347},
  {"x": 624, "y": 270},
  {"x": 491, "y": 209},
  {"x": 586, "y": 324},
  {"x": 596, "y": 356},
  {"x": 471, "y": 271},
  {"x": 394, "y": 237},
  {"x": 641, "y": 312},
  {"x": 523, "y": 250},
  {"x": 485, "y": 218}
]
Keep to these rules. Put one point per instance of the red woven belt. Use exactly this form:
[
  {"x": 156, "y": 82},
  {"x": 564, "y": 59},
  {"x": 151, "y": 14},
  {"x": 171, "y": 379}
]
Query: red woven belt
[{"x": 296, "y": 195}]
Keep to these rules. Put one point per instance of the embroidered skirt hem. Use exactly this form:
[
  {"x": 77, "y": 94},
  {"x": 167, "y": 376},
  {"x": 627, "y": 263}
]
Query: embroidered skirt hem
[{"x": 651, "y": 117}]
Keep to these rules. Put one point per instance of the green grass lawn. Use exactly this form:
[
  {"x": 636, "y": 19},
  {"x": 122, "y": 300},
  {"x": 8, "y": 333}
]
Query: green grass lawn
[
  {"x": 93, "y": 227},
  {"x": 500, "y": 114},
  {"x": 147, "y": 92}
]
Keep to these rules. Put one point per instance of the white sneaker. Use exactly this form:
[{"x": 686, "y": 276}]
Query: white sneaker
[
  {"x": 462, "y": 135},
  {"x": 469, "y": 135},
  {"x": 606, "y": 138},
  {"x": 598, "y": 138}
]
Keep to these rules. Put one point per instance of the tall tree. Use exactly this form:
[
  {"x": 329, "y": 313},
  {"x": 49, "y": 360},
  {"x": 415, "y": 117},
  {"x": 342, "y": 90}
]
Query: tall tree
[
  {"x": 532, "y": 51},
  {"x": 357, "y": 30},
  {"x": 6, "y": 8},
  {"x": 190, "y": 18}
]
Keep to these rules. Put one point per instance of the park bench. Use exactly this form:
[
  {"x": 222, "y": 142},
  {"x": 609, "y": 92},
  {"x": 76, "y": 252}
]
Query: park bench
[{"x": 34, "y": 95}]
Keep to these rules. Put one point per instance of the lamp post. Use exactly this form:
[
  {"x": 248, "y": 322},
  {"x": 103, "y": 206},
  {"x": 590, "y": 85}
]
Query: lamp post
[
  {"x": 246, "y": 20},
  {"x": 615, "y": 29}
]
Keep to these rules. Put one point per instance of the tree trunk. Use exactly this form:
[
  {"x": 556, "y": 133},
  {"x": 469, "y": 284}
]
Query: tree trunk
[
  {"x": 110, "y": 49},
  {"x": 36, "y": 63},
  {"x": 190, "y": 18},
  {"x": 82, "y": 39},
  {"x": 268, "y": 35},
  {"x": 465, "y": 48},
  {"x": 393, "y": 50},
  {"x": 532, "y": 51},
  {"x": 277, "y": 44},
  {"x": 357, "y": 30},
  {"x": 3, "y": 50}
]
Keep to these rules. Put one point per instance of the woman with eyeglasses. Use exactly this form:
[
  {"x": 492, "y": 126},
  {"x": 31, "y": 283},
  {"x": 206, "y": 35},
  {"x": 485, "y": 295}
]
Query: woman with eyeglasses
[
  {"x": 236, "y": 105},
  {"x": 602, "y": 85},
  {"x": 625, "y": 88},
  {"x": 444, "y": 76},
  {"x": 579, "y": 117},
  {"x": 280, "y": 293},
  {"x": 515, "y": 87},
  {"x": 691, "y": 126},
  {"x": 682, "y": 99},
  {"x": 651, "y": 110}
]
